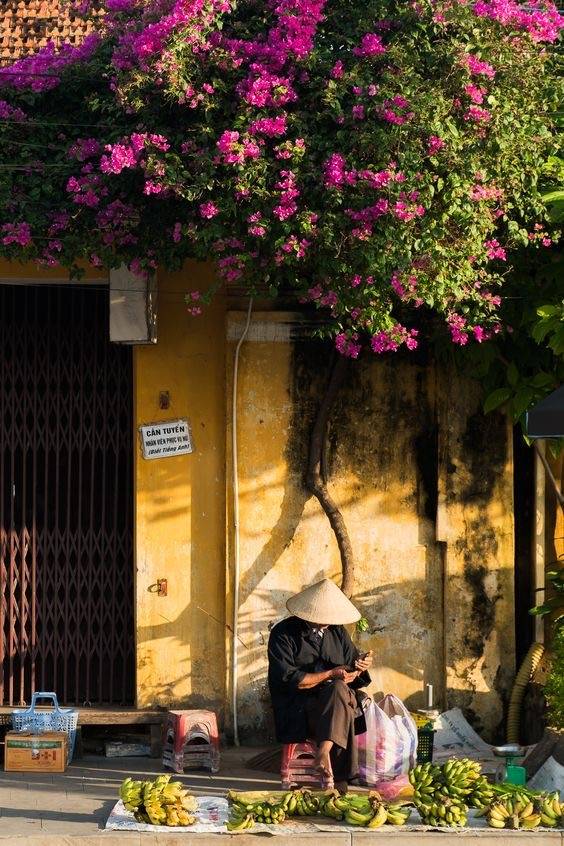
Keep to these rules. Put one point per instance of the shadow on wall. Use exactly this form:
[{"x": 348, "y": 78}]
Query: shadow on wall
[{"x": 384, "y": 638}]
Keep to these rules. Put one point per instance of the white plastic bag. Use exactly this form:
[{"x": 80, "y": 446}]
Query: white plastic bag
[{"x": 389, "y": 746}]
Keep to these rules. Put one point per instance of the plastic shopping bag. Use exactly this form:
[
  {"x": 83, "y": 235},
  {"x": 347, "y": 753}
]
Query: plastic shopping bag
[{"x": 389, "y": 746}]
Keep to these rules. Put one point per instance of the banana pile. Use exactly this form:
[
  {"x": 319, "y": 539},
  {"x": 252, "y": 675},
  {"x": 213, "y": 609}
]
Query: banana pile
[
  {"x": 366, "y": 810},
  {"x": 244, "y": 814},
  {"x": 159, "y": 802},
  {"x": 442, "y": 794},
  {"x": 516, "y": 812}
]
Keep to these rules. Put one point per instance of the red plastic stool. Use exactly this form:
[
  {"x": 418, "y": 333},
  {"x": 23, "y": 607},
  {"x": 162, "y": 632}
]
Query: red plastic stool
[
  {"x": 297, "y": 767},
  {"x": 191, "y": 741}
]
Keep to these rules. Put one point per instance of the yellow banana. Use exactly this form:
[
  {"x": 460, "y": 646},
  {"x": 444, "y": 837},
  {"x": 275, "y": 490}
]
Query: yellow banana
[
  {"x": 527, "y": 810},
  {"x": 531, "y": 821},
  {"x": 379, "y": 817},
  {"x": 498, "y": 812}
]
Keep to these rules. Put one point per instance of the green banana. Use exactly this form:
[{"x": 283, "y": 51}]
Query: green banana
[
  {"x": 355, "y": 818},
  {"x": 240, "y": 825}
]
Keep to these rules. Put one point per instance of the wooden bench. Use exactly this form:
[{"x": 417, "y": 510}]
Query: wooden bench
[{"x": 113, "y": 717}]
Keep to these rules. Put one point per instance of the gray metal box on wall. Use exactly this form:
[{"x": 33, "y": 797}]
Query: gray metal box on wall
[{"x": 133, "y": 308}]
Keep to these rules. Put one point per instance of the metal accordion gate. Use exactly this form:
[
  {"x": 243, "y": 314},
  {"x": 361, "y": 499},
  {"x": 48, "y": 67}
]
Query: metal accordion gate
[{"x": 66, "y": 510}]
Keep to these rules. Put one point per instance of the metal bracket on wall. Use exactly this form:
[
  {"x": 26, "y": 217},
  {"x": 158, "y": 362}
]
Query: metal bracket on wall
[{"x": 160, "y": 587}]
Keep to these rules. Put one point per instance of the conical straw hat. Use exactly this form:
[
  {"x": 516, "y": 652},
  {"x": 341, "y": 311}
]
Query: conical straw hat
[{"x": 323, "y": 603}]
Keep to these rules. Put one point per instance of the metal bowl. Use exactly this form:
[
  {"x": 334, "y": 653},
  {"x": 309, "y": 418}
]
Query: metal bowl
[{"x": 509, "y": 750}]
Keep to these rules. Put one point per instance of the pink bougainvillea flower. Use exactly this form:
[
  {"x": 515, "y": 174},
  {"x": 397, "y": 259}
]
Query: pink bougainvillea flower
[
  {"x": 371, "y": 45},
  {"x": 208, "y": 210},
  {"x": 434, "y": 144},
  {"x": 16, "y": 233}
]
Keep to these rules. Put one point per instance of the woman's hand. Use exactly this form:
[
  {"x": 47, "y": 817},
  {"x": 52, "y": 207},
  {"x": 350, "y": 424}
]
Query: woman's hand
[
  {"x": 364, "y": 663},
  {"x": 344, "y": 674}
]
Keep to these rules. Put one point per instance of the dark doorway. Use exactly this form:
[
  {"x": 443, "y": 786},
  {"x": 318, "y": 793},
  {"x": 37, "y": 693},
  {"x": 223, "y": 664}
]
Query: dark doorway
[{"x": 66, "y": 510}]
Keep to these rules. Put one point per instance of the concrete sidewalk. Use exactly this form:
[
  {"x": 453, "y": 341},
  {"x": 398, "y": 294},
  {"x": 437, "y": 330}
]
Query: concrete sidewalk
[{"x": 71, "y": 809}]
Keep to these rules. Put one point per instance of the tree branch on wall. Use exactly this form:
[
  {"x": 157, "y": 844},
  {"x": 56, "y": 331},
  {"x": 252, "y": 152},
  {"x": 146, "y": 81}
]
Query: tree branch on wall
[{"x": 316, "y": 479}]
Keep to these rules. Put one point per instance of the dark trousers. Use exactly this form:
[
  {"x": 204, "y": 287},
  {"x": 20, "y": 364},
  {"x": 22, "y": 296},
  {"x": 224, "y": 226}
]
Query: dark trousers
[{"x": 331, "y": 710}]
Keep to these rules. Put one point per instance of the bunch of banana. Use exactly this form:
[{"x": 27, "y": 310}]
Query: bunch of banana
[
  {"x": 152, "y": 801},
  {"x": 365, "y": 810},
  {"x": 269, "y": 813},
  {"x": 425, "y": 778},
  {"x": 398, "y": 813},
  {"x": 337, "y": 806},
  {"x": 306, "y": 805},
  {"x": 159, "y": 802},
  {"x": 373, "y": 818},
  {"x": 482, "y": 794},
  {"x": 551, "y": 810},
  {"x": 329, "y": 809},
  {"x": 131, "y": 793},
  {"x": 443, "y": 811},
  {"x": 516, "y": 812},
  {"x": 244, "y": 814},
  {"x": 460, "y": 776}
]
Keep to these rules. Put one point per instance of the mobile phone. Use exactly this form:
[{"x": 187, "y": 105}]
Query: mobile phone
[{"x": 359, "y": 657}]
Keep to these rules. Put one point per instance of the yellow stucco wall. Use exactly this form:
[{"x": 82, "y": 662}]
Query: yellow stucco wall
[
  {"x": 440, "y": 606},
  {"x": 180, "y": 505}
]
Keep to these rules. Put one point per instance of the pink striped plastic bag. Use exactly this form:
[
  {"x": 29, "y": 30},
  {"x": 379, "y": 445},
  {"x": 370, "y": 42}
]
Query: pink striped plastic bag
[{"x": 389, "y": 746}]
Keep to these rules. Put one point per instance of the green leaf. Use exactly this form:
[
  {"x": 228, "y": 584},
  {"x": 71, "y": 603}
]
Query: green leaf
[
  {"x": 540, "y": 610},
  {"x": 554, "y": 196},
  {"x": 521, "y": 401},
  {"x": 496, "y": 399},
  {"x": 548, "y": 310},
  {"x": 512, "y": 374}
]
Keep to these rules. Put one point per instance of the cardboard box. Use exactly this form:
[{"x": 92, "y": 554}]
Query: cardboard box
[{"x": 34, "y": 753}]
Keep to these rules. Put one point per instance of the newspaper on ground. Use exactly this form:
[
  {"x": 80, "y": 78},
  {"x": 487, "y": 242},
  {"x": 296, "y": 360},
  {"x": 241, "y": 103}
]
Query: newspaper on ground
[
  {"x": 455, "y": 737},
  {"x": 549, "y": 777}
]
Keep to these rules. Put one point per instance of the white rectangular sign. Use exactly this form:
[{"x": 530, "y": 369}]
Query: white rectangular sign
[{"x": 162, "y": 440}]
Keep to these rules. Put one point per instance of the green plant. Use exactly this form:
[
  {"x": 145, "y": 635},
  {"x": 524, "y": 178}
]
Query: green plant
[
  {"x": 554, "y": 603},
  {"x": 554, "y": 688},
  {"x": 553, "y": 606}
]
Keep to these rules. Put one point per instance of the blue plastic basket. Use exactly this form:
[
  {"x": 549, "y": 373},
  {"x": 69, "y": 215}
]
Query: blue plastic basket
[{"x": 36, "y": 722}]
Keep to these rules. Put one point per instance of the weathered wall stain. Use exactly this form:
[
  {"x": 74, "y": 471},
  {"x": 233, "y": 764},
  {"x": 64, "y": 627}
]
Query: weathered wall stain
[
  {"x": 476, "y": 516},
  {"x": 485, "y": 435}
]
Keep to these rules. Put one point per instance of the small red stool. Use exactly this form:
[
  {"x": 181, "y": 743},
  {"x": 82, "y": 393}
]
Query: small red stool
[
  {"x": 297, "y": 767},
  {"x": 191, "y": 741}
]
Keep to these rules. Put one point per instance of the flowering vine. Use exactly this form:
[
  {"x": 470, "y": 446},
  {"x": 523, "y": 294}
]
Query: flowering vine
[{"x": 379, "y": 158}]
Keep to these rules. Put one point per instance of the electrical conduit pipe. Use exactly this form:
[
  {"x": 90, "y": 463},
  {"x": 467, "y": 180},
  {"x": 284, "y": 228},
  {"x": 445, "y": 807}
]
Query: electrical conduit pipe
[{"x": 236, "y": 549}]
